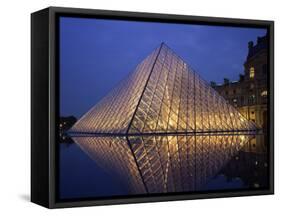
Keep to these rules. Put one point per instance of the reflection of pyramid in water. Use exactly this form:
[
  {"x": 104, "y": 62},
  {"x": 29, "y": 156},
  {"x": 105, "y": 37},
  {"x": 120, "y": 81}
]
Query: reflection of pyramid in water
[
  {"x": 160, "y": 164},
  {"x": 162, "y": 95}
]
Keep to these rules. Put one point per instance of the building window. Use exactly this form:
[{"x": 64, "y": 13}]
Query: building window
[
  {"x": 264, "y": 93},
  {"x": 252, "y": 72},
  {"x": 252, "y": 99}
]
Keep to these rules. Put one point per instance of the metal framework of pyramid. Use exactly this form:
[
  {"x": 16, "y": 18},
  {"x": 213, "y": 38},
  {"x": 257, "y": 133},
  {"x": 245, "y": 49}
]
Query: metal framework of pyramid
[{"x": 162, "y": 95}]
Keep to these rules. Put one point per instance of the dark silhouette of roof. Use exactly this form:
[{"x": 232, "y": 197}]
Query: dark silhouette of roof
[{"x": 261, "y": 45}]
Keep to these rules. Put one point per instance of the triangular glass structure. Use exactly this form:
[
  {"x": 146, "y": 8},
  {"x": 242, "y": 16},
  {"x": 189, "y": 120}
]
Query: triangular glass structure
[{"x": 162, "y": 95}]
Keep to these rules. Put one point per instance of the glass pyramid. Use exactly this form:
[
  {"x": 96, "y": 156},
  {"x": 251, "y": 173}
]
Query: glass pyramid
[{"x": 162, "y": 95}]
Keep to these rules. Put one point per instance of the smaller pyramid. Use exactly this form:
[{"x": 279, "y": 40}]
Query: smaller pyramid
[{"x": 162, "y": 95}]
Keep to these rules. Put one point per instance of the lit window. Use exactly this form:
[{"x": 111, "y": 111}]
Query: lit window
[
  {"x": 251, "y": 99},
  {"x": 252, "y": 72},
  {"x": 264, "y": 93}
]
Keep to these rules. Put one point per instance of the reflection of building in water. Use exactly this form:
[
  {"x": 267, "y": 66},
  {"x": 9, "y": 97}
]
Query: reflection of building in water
[
  {"x": 258, "y": 144},
  {"x": 163, "y": 95},
  {"x": 250, "y": 165},
  {"x": 158, "y": 164},
  {"x": 250, "y": 93}
]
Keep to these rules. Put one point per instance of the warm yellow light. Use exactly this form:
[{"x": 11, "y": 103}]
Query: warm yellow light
[
  {"x": 252, "y": 72},
  {"x": 264, "y": 93}
]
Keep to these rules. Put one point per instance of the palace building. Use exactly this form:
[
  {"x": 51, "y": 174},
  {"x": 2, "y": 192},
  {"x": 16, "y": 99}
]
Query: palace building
[{"x": 249, "y": 94}]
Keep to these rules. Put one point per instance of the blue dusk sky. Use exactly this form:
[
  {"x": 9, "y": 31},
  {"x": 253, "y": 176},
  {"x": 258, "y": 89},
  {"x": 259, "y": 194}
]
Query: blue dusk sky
[{"x": 95, "y": 54}]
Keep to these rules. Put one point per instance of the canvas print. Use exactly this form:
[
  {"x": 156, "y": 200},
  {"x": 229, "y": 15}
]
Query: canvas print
[{"x": 153, "y": 108}]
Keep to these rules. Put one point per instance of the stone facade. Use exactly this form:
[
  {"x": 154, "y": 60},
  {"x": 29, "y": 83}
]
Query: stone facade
[{"x": 249, "y": 94}]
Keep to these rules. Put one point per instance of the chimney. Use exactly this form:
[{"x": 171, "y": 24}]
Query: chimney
[
  {"x": 250, "y": 44},
  {"x": 241, "y": 77},
  {"x": 226, "y": 81}
]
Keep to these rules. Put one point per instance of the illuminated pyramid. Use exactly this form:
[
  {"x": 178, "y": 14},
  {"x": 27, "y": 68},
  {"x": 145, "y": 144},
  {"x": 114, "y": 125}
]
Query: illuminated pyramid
[{"x": 162, "y": 95}]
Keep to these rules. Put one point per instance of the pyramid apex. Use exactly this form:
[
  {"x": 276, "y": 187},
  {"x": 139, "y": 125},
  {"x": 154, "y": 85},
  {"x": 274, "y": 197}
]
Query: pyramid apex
[{"x": 163, "y": 44}]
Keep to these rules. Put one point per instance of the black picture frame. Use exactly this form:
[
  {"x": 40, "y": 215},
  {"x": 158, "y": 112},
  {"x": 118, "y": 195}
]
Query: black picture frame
[{"x": 45, "y": 100}]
